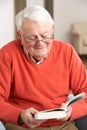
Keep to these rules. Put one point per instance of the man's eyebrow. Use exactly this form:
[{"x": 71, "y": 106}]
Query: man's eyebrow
[{"x": 44, "y": 32}]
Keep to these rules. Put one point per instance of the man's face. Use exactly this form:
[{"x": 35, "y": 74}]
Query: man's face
[{"x": 37, "y": 38}]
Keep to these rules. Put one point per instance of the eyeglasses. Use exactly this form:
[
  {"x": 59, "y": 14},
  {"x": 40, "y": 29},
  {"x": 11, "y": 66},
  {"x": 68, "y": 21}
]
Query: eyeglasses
[{"x": 34, "y": 39}]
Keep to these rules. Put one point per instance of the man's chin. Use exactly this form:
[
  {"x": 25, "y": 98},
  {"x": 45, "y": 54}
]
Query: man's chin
[{"x": 41, "y": 57}]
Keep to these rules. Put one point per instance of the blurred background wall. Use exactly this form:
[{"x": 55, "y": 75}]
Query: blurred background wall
[
  {"x": 64, "y": 12},
  {"x": 7, "y": 26}
]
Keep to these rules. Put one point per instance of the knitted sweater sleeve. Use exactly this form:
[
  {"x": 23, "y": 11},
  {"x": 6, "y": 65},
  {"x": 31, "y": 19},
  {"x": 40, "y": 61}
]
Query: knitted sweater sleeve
[
  {"x": 78, "y": 84},
  {"x": 8, "y": 112}
]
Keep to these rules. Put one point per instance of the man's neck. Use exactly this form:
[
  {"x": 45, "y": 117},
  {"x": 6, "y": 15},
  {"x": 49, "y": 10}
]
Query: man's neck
[{"x": 31, "y": 57}]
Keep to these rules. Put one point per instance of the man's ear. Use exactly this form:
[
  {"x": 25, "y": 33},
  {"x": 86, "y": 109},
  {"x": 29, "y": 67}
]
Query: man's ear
[
  {"x": 53, "y": 29},
  {"x": 53, "y": 26},
  {"x": 18, "y": 34}
]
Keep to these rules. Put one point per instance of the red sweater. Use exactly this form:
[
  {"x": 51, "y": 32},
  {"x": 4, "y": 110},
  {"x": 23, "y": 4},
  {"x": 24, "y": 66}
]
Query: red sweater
[{"x": 25, "y": 84}]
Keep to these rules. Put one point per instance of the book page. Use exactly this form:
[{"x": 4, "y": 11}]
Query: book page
[
  {"x": 74, "y": 99},
  {"x": 58, "y": 112}
]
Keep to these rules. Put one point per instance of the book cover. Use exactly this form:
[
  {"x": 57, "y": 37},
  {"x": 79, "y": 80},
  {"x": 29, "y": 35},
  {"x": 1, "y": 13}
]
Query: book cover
[{"x": 58, "y": 113}]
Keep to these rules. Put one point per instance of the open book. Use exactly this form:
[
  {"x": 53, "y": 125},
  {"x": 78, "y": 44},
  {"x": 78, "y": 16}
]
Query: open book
[{"x": 58, "y": 113}]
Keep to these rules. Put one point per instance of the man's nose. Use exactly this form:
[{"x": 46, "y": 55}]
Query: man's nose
[{"x": 39, "y": 41}]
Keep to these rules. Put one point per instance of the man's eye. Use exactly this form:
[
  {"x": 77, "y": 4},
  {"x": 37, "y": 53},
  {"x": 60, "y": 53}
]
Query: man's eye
[
  {"x": 44, "y": 36},
  {"x": 31, "y": 38}
]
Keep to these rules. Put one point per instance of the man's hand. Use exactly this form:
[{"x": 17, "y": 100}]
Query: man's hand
[
  {"x": 68, "y": 114},
  {"x": 27, "y": 116}
]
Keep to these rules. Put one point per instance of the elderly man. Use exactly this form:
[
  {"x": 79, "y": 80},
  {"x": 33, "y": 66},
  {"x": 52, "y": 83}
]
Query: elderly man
[{"x": 37, "y": 73}]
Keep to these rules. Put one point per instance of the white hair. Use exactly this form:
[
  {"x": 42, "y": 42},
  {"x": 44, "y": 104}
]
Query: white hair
[{"x": 33, "y": 12}]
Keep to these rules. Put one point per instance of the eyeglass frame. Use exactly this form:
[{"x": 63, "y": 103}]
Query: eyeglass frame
[{"x": 36, "y": 39}]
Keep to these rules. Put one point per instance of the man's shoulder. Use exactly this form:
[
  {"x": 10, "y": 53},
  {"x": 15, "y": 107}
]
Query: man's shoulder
[
  {"x": 62, "y": 45},
  {"x": 11, "y": 48},
  {"x": 11, "y": 44}
]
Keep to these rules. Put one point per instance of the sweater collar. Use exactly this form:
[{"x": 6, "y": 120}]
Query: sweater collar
[{"x": 31, "y": 57}]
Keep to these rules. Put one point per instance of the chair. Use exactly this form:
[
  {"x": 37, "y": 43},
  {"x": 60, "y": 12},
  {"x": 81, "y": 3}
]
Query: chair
[
  {"x": 81, "y": 123},
  {"x": 79, "y": 37}
]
